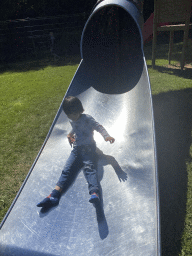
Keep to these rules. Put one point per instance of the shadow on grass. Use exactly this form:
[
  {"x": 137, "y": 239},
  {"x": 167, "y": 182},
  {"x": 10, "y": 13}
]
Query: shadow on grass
[
  {"x": 173, "y": 69},
  {"x": 41, "y": 63},
  {"x": 173, "y": 124},
  {"x": 186, "y": 73}
]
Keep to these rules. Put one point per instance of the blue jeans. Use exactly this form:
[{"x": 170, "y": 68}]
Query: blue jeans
[{"x": 81, "y": 157}]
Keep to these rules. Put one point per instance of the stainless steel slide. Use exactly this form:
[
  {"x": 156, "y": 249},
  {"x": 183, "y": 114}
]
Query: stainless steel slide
[{"x": 113, "y": 83}]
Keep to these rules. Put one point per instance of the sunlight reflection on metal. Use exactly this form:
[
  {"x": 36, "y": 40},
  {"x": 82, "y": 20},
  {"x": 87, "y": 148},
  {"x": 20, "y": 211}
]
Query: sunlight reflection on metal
[{"x": 120, "y": 125}]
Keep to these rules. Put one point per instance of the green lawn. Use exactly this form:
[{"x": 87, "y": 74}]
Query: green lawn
[
  {"x": 31, "y": 94},
  {"x": 29, "y": 101},
  {"x": 172, "y": 100}
]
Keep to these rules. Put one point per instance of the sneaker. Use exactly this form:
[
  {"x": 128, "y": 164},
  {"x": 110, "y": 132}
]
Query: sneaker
[
  {"x": 48, "y": 202},
  {"x": 94, "y": 198},
  {"x": 51, "y": 200}
]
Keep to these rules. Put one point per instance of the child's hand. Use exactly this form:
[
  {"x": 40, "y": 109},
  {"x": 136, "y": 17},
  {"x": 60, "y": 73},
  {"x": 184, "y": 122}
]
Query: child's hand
[
  {"x": 71, "y": 139},
  {"x": 111, "y": 139}
]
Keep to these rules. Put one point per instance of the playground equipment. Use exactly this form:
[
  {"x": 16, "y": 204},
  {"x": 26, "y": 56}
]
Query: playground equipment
[
  {"x": 113, "y": 84},
  {"x": 177, "y": 15}
]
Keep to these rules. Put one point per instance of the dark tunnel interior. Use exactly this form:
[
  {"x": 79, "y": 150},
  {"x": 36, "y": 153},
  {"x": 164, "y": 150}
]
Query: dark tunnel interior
[{"x": 111, "y": 49}]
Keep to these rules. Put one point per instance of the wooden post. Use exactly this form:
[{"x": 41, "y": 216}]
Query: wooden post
[
  {"x": 154, "y": 35},
  {"x": 170, "y": 45}
]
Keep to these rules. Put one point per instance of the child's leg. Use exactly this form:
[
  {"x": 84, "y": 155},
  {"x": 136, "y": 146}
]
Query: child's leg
[
  {"x": 70, "y": 169},
  {"x": 88, "y": 159},
  {"x": 91, "y": 177}
]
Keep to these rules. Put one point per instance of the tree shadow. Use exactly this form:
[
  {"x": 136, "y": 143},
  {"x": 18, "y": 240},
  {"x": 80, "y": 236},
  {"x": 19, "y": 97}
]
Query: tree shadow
[{"x": 173, "y": 123}]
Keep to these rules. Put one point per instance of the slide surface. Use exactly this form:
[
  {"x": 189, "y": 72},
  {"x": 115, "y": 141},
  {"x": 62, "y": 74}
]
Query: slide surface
[{"x": 113, "y": 84}]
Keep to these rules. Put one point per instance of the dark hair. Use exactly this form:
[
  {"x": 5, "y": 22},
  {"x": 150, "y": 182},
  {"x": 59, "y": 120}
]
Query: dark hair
[{"x": 71, "y": 105}]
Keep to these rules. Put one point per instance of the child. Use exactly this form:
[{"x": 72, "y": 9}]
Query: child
[{"x": 83, "y": 153}]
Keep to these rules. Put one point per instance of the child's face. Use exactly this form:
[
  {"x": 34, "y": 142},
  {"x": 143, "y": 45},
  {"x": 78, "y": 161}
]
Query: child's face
[{"x": 74, "y": 116}]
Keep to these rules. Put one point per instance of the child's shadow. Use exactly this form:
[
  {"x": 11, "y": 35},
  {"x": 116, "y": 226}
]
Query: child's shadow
[{"x": 102, "y": 161}]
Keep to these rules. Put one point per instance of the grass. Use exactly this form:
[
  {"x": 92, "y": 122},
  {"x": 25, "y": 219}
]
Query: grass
[
  {"x": 172, "y": 100},
  {"x": 30, "y": 97},
  {"x": 29, "y": 102},
  {"x": 187, "y": 234}
]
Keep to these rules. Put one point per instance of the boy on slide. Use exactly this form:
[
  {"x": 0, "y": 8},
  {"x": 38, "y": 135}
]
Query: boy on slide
[{"x": 83, "y": 153}]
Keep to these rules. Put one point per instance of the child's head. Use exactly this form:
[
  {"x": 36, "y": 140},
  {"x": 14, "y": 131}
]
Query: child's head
[{"x": 72, "y": 105}]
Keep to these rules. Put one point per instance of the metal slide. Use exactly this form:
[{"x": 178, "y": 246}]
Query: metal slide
[{"x": 112, "y": 82}]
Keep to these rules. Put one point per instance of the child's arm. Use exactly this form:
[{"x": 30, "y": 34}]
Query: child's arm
[
  {"x": 71, "y": 138},
  {"x": 99, "y": 128}
]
